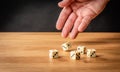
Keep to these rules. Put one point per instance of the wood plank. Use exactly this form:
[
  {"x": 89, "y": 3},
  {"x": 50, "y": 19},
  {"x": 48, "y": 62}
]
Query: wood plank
[{"x": 28, "y": 52}]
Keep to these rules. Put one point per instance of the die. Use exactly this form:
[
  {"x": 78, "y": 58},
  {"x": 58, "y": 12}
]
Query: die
[
  {"x": 81, "y": 49},
  {"x": 66, "y": 46},
  {"x": 75, "y": 55},
  {"x": 53, "y": 54},
  {"x": 91, "y": 53}
]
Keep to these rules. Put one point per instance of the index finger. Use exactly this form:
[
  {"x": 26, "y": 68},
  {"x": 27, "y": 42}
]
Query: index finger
[{"x": 63, "y": 17}]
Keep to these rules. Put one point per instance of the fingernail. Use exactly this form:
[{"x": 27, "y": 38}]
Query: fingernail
[
  {"x": 72, "y": 36},
  {"x": 58, "y": 27},
  {"x": 80, "y": 29},
  {"x": 64, "y": 34}
]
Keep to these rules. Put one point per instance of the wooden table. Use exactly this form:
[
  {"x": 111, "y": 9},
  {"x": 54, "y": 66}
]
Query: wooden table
[{"x": 28, "y": 52}]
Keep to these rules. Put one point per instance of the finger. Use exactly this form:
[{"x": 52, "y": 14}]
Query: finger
[
  {"x": 75, "y": 31},
  {"x": 85, "y": 21},
  {"x": 63, "y": 17},
  {"x": 65, "y": 3},
  {"x": 68, "y": 25}
]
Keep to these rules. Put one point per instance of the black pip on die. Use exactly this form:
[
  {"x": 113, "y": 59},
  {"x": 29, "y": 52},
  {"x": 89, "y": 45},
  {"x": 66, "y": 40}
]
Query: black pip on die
[
  {"x": 81, "y": 49},
  {"x": 66, "y": 46},
  {"x": 53, "y": 54},
  {"x": 91, "y": 53},
  {"x": 75, "y": 55}
]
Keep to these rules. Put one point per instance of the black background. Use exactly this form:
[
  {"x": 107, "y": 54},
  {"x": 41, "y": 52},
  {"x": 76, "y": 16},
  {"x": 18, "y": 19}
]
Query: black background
[{"x": 41, "y": 16}]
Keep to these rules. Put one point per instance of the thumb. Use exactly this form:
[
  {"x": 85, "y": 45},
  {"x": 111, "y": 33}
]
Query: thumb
[{"x": 65, "y": 3}]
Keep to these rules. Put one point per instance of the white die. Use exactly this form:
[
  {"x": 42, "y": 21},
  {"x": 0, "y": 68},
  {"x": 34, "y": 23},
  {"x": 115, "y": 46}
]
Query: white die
[
  {"x": 75, "y": 55},
  {"x": 53, "y": 54},
  {"x": 91, "y": 53},
  {"x": 81, "y": 49},
  {"x": 66, "y": 46}
]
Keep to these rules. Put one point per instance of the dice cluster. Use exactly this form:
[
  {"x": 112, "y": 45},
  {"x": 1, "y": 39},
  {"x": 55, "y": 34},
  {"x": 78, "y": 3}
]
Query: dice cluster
[{"x": 75, "y": 55}]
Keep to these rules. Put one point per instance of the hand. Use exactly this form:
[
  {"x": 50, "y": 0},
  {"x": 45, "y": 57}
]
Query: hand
[{"x": 77, "y": 14}]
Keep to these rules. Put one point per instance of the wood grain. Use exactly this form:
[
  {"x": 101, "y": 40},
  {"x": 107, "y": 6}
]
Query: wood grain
[{"x": 28, "y": 52}]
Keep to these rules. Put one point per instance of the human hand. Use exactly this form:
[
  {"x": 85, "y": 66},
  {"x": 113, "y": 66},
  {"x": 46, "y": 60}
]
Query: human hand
[{"x": 77, "y": 14}]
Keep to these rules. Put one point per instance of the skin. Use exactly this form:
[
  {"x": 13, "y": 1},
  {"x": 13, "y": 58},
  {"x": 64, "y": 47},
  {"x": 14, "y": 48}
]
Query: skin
[{"x": 76, "y": 15}]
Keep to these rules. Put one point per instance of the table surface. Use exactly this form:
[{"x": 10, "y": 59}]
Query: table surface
[{"x": 28, "y": 52}]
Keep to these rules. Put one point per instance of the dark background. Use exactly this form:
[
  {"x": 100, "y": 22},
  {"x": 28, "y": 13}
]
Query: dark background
[{"x": 41, "y": 15}]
